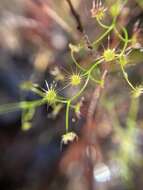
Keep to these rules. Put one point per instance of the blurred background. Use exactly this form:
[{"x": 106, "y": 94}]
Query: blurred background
[{"x": 34, "y": 47}]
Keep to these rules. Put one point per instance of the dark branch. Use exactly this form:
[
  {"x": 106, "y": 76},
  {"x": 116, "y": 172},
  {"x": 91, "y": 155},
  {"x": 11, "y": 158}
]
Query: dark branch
[{"x": 76, "y": 16}]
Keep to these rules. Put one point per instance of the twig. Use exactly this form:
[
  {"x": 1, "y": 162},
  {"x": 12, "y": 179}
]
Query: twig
[
  {"x": 95, "y": 98},
  {"x": 57, "y": 18},
  {"x": 80, "y": 27},
  {"x": 76, "y": 16}
]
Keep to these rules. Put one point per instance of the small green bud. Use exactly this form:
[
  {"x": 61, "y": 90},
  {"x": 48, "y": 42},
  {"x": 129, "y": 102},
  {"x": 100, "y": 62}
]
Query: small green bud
[
  {"x": 75, "y": 79},
  {"x": 26, "y": 126},
  {"x": 123, "y": 60},
  {"x": 137, "y": 92},
  {"x": 75, "y": 48},
  {"x": 109, "y": 55},
  {"x": 51, "y": 96},
  {"x": 98, "y": 10},
  {"x": 77, "y": 108},
  {"x": 115, "y": 9},
  {"x": 69, "y": 137}
]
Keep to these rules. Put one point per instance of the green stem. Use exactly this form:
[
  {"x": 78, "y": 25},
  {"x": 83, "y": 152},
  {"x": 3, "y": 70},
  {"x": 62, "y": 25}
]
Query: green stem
[
  {"x": 119, "y": 35},
  {"x": 76, "y": 63},
  {"x": 126, "y": 41},
  {"x": 103, "y": 36},
  {"x": 61, "y": 101},
  {"x": 67, "y": 115},
  {"x": 110, "y": 28},
  {"x": 73, "y": 98},
  {"x": 21, "y": 105},
  {"x": 131, "y": 119},
  {"x": 94, "y": 65},
  {"x": 33, "y": 89},
  {"x": 102, "y": 25},
  {"x": 126, "y": 77},
  {"x": 89, "y": 71},
  {"x": 121, "y": 54},
  {"x": 94, "y": 80},
  {"x": 82, "y": 89}
]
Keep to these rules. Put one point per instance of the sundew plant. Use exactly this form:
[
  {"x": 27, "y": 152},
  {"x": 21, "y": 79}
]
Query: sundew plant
[{"x": 117, "y": 54}]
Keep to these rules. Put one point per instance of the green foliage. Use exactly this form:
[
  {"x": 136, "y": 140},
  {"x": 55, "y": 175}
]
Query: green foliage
[{"x": 85, "y": 75}]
